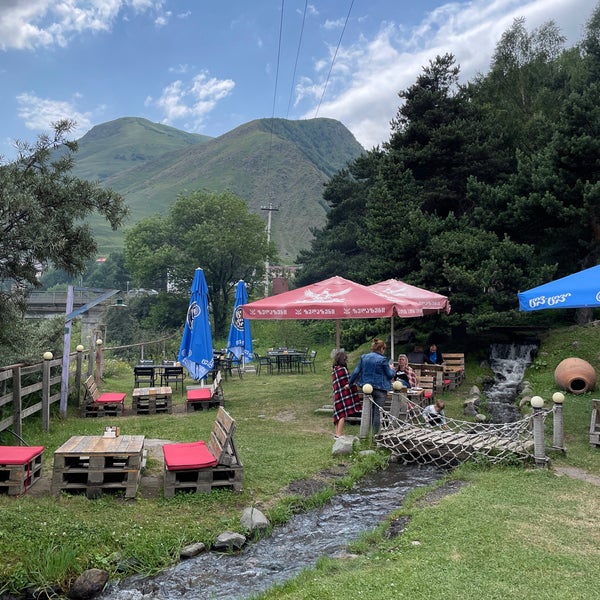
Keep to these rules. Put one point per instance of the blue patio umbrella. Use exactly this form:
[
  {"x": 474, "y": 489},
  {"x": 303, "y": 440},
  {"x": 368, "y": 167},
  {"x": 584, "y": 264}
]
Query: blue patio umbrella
[
  {"x": 579, "y": 290},
  {"x": 239, "y": 342},
  {"x": 196, "y": 352}
]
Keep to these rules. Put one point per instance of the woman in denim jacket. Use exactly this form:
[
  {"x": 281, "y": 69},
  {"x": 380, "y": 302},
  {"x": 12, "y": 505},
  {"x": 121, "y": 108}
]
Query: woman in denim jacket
[{"x": 374, "y": 368}]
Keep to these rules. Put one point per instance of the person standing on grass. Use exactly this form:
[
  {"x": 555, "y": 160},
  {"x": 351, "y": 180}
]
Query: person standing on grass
[
  {"x": 346, "y": 401},
  {"x": 374, "y": 368}
]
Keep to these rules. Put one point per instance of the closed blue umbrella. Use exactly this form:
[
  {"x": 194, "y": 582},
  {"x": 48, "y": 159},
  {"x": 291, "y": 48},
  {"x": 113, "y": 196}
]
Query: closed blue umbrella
[
  {"x": 196, "y": 352},
  {"x": 239, "y": 342}
]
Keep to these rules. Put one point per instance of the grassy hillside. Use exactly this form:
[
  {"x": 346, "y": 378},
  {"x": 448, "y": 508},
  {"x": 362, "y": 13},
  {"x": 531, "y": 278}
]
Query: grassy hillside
[
  {"x": 118, "y": 145},
  {"x": 276, "y": 161}
]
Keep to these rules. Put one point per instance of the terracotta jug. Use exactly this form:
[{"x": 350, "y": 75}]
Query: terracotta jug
[{"x": 575, "y": 375}]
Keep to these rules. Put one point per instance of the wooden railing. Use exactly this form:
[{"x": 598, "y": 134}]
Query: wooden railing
[{"x": 27, "y": 390}]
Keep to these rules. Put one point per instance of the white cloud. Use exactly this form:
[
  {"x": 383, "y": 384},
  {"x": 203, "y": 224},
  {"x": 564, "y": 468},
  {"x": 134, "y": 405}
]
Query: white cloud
[
  {"x": 192, "y": 101},
  {"x": 362, "y": 91},
  {"x": 28, "y": 24},
  {"x": 38, "y": 113}
]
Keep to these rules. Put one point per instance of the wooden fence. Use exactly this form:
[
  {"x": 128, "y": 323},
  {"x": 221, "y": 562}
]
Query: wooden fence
[
  {"x": 27, "y": 390},
  {"x": 30, "y": 389}
]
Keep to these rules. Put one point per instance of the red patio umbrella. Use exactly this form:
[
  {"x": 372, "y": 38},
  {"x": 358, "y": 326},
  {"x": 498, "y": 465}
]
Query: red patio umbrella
[
  {"x": 334, "y": 298},
  {"x": 398, "y": 291}
]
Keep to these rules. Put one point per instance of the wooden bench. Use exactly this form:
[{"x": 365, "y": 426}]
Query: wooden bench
[
  {"x": 454, "y": 369},
  {"x": 595, "y": 424},
  {"x": 202, "y": 467},
  {"x": 200, "y": 397},
  {"x": 95, "y": 404},
  {"x": 20, "y": 468}
]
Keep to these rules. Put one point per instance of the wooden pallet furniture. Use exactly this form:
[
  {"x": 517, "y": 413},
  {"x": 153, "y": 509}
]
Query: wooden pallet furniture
[
  {"x": 96, "y": 404},
  {"x": 152, "y": 400},
  {"x": 20, "y": 468},
  {"x": 595, "y": 424},
  {"x": 94, "y": 465},
  {"x": 201, "y": 397},
  {"x": 454, "y": 369},
  {"x": 202, "y": 467}
]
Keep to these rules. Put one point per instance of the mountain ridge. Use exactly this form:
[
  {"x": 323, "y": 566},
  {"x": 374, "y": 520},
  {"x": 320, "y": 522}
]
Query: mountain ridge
[{"x": 265, "y": 161}]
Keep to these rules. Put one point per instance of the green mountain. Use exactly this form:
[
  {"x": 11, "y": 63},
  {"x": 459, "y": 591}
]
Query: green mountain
[{"x": 268, "y": 162}]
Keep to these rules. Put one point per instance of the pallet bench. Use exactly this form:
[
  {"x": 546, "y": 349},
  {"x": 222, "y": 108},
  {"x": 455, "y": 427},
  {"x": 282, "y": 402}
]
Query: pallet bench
[
  {"x": 200, "y": 466},
  {"x": 20, "y": 468},
  {"x": 454, "y": 369},
  {"x": 595, "y": 424},
  {"x": 199, "y": 398},
  {"x": 96, "y": 404}
]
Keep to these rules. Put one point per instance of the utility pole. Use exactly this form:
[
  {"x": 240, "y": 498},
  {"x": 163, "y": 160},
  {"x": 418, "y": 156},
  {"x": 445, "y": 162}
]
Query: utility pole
[{"x": 270, "y": 210}]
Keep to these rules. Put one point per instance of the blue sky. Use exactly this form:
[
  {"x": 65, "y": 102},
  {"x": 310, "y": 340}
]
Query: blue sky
[{"x": 208, "y": 66}]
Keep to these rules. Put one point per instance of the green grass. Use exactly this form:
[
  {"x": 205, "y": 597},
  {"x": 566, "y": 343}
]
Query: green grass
[{"x": 513, "y": 533}]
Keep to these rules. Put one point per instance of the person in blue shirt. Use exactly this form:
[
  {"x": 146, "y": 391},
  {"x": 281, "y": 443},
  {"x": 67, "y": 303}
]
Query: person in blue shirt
[
  {"x": 433, "y": 356},
  {"x": 374, "y": 368}
]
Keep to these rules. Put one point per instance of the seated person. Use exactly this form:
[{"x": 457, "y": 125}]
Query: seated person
[
  {"x": 405, "y": 373},
  {"x": 434, "y": 414},
  {"x": 433, "y": 356},
  {"x": 417, "y": 356}
]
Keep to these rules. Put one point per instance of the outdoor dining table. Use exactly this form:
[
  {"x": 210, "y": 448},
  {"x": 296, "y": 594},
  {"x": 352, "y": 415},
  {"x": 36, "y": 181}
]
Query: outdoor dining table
[{"x": 287, "y": 361}]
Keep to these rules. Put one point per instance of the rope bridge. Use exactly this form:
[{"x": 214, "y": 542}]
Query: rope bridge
[{"x": 411, "y": 437}]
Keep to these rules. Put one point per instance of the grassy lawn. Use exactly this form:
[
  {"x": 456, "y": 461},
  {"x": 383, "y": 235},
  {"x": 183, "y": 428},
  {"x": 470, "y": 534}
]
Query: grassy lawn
[{"x": 513, "y": 532}]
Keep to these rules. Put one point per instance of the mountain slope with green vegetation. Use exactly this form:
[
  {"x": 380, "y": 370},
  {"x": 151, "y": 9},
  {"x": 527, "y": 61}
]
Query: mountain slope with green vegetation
[
  {"x": 266, "y": 162},
  {"x": 118, "y": 145}
]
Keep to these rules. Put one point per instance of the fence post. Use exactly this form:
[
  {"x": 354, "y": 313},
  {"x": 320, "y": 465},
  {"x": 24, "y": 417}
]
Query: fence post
[
  {"x": 48, "y": 356},
  {"x": 558, "y": 439},
  {"x": 396, "y": 404},
  {"x": 17, "y": 401},
  {"x": 98, "y": 361},
  {"x": 79, "y": 373},
  {"x": 539, "y": 448},
  {"x": 365, "y": 419}
]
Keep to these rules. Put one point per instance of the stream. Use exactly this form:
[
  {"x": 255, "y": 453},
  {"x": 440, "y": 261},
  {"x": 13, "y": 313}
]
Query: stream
[{"x": 288, "y": 550}]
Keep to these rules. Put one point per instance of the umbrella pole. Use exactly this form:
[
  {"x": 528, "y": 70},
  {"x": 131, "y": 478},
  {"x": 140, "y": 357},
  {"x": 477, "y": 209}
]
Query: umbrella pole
[
  {"x": 392, "y": 338},
  {"x": 337, "y": 334}
]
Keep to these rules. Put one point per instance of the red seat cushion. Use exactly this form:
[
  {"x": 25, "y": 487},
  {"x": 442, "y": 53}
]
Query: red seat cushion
[
  {"x": 428, "y": 394},
  {"x": 18, "y": 455},
  {"x": 111, "y": 397},
  {"x": 190, "y": 455},
  {"x": 199, "y": 394}
]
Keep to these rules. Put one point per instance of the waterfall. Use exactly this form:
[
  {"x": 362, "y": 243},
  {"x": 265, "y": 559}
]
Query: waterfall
[{"x": 508, "y": 363}]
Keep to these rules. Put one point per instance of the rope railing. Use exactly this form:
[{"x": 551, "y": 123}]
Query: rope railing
[{"x": 407, "y": 433}]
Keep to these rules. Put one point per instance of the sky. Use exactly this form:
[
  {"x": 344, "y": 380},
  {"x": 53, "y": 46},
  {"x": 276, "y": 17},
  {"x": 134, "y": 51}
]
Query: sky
[{"x": 207, "y": 66}]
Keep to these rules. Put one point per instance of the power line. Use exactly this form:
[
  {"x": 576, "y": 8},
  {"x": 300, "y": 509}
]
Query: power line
[
  {"x": 334, "y": 57},
  {"x": 297, "y": 55}
]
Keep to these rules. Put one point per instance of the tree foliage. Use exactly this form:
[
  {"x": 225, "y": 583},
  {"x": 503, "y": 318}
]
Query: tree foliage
[
  {"x": 43, "y": 221},
  {"x": 483, "y": 189},
  {"x": 214, "y": 231}
]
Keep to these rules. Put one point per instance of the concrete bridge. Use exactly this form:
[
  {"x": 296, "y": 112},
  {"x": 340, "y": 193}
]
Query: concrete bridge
[{"x": 89, "y": 304}]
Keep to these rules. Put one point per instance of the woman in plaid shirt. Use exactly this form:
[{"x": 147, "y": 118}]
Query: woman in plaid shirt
[{"x": 346, "y": 400}]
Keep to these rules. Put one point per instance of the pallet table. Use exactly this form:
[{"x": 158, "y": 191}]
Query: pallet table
[
  {"x": 152, "y": 400},
  {"x": 98, "y": 464}
]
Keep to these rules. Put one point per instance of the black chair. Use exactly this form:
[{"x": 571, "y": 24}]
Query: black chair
[
  {"x": 143, "y": 376},
  {"x": 172, "y": 374},
  {"x": 234, "y": 364},
  {"x": 309, "y": 361},
  {"x": 263, "y": 361}
]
